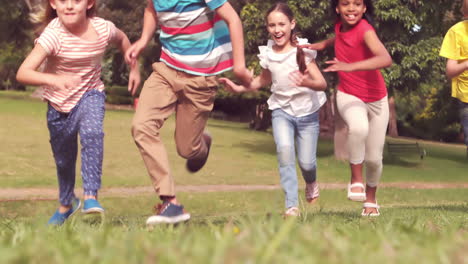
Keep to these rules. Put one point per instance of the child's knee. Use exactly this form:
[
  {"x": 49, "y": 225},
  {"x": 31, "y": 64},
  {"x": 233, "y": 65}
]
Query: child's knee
[
  {"x": 358, "y": 131},
  {"x": 308, "y": 168},
  {"x": 286, "y": 155},
  {"x": 187, "y": 152},
  {"x": 141, "y": 130}
]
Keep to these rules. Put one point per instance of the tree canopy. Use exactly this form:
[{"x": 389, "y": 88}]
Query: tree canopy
[{"x": 411, "y": 30}]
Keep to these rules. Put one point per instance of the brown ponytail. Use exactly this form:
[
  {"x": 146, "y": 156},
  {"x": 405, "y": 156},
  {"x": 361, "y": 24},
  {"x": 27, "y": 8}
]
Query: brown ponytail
[{"x": 300, "y": 56}]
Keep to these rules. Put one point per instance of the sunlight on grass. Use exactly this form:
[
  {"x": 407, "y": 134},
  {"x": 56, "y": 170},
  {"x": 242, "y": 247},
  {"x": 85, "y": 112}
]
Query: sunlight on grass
[
  {"x": 246, "y": 228},
  {"x": 239, "y": 155}
]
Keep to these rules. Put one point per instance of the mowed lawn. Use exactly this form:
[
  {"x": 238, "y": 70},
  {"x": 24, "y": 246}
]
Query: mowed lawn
[
  {"x": 238, "y": 156},
  {"x": 416, "y": 225}
]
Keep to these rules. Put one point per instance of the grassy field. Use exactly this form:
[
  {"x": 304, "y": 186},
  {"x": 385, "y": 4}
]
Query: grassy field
[
  {"x": 239, "y": 155},
  {"x": 416, "y": 226},
  {"x": 427, "y": 226}
]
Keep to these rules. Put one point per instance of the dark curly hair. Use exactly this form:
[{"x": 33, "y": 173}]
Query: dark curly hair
[{"x": 368, "y": 15}]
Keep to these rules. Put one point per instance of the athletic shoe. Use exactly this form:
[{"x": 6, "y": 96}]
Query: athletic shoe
[
  {"x": 194, "y": 165},
  {"x": 168, "y": 213},
  {"x": 59, "y": 218},
  {"x": 92, "y": 206}
]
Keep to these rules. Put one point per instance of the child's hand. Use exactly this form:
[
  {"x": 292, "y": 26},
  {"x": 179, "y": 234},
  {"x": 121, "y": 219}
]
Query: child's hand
[
  {"x": 132, "y": 53},
  {"x": 314, "y": 46},
  {"x": 231, "y": 86},
  {"x": 297, "y": 78},
  {"x": 65, "y": 82},
  {"x": 337, "y": 65},
  {"x": 134, "y": 80},
  {"x": 244, "y": 75}
]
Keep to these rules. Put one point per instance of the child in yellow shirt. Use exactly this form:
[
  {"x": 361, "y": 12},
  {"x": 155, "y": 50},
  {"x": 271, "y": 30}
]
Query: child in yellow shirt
[{"x": 455, "y": 49}]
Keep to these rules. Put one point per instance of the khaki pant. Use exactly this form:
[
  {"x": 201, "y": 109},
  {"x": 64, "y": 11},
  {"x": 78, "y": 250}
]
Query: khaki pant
[
  {"x": 167, "y": 91},
  {"x": 367, "y": 126}
]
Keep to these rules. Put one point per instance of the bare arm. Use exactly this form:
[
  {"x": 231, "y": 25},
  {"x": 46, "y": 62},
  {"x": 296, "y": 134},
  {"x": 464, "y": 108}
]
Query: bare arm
[
  {"x": 134, "y": 79},
  {"x": 381, "y": 58},
  {"x": 229, "y": 15},
  {"x": 258, "y": 82},
  {"x": 28, "y": 73},
  {"x": 319, "y": 45},
  {"x": 149, "y": 27},
  {"x": 455, "y": 68}
]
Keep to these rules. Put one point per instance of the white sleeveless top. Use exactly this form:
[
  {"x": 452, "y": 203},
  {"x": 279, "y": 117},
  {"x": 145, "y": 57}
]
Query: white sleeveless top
[{"x": 294, "y": 100}]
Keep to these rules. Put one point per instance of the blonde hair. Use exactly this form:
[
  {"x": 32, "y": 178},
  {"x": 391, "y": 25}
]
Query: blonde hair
[{"x": 43, "y": 13}]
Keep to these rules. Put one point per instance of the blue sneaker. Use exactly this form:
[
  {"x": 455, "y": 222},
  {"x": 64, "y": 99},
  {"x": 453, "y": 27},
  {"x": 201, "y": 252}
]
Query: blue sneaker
[
  {"x": 168, "y": 213},
  {"x": 92, "y": 206},
  {"x": 59, "y": 218}
]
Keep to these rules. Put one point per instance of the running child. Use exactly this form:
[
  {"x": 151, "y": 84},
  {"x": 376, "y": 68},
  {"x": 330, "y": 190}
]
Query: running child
[
  {"x": 297, "y": 87},
  {"x": 362, "y": 95},
  {"x": 196, "y": 38},
  {"x": 72, "y": 45},
  {"x": 455, "y": 49}
]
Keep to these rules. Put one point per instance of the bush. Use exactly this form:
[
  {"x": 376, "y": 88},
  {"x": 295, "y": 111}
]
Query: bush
[{"x": 118, "y": 95}]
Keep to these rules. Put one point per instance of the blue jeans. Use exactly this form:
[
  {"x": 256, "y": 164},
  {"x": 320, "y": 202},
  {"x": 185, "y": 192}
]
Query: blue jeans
[
  {"x": 463, "y": 111},
  {"x": 85, "y": 119},
  {"x": 304, "y": 131}
]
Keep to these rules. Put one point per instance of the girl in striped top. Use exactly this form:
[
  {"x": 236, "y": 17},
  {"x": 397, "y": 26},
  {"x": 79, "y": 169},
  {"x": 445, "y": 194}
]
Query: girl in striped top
[{"x": 71, "y": 47}]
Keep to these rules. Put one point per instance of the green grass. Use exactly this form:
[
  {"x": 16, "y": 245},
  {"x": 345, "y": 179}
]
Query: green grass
[
  {"x": 429, "y": 226},
  {"x": 416, "y": 226},
  {"x": 239, "y": 155}
]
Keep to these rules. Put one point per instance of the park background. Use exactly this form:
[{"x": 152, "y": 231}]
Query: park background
[{"x": 235, "y": 201}]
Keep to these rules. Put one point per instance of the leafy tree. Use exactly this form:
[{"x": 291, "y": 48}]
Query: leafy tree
[
  {"x": 15, "y": 42},
  {"x": 127, "y": 16},
  {"x": 412, "y": 31}
]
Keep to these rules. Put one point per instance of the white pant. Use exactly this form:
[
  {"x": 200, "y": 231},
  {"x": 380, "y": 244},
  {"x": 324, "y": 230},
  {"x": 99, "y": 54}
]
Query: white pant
[{"x": 367, "y": 126}]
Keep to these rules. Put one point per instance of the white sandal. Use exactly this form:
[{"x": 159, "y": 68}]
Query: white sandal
[
  {"x": 292, "y": 211},
  {"x": 356, "y": 196},
  {"x": 370, "y": 205}
]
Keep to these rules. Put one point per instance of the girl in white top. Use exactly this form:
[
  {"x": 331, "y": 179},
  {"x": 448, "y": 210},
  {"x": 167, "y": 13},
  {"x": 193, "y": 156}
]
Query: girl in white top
[
  {"x": 72, "y": 46},
  {"x": 297, "y": 87}
]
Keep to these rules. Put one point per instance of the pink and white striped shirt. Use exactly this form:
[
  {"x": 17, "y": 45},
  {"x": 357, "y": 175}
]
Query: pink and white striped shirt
[{"x": 71, "y": 55}]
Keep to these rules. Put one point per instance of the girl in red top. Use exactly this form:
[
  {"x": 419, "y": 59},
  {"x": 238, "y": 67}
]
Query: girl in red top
[{"x": 362, "y": 95}]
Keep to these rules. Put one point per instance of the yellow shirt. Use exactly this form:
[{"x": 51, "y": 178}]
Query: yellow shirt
[{"x": 455, "y": 47}]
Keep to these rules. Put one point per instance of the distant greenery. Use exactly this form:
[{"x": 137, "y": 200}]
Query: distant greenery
[{"x": 412, "y": 31}]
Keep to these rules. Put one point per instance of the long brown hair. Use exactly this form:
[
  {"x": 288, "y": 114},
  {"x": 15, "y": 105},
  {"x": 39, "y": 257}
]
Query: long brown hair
[
  {"x": 284, "y": 8},
  {"x": 44, "y": 13}
]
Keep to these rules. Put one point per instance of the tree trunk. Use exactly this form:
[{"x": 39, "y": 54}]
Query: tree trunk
[
  {"x": 327, "y": 125},
  {"x": 262, "y": 119},
  {"x": 392, "y": 122}
]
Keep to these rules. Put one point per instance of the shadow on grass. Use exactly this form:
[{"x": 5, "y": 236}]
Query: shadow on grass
[
  {"x": 230, "y": 126},
  {"x": 408, "y": 162},
  {"x": 456, "y": 156},
  {"x": 463, "y": 208},
  {"x": 267, "y": 145}
]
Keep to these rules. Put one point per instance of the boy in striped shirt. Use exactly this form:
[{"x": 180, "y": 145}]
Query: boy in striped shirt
[{"x": 199, "y": 39}]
